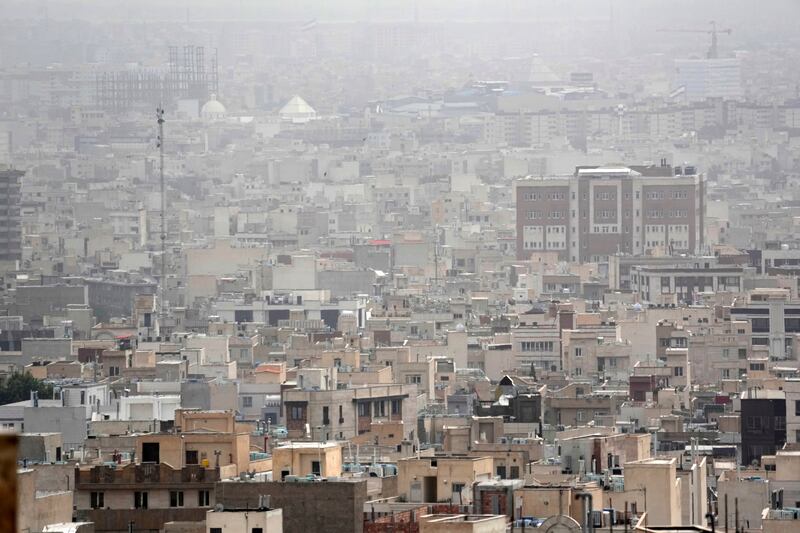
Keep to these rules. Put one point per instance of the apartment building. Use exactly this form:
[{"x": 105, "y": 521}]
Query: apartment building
[
  {"x": 719, "y": 351},
  {"x": 201, "y": 438},
  {"x": 442, "y": 478},
  {"x": 763, "y": 423},
  {"x": 774, "y": 322},
  {"x": 321, "y": 459},
  {"x": 345, "y": 413},
  {"x": 10, "y": 221},
  {"x": 679, "y": 285},
  {"x": 536, "y": 346},
  {"x": 595, "y": 352},
  {"x": 148, "y": 495},
  {"x": 602, "y": 211}
]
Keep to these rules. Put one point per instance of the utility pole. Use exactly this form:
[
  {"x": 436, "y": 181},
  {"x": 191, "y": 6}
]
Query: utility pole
[
  {"x": 161, "y": 285},
  {"x": 436, "y": 258}
]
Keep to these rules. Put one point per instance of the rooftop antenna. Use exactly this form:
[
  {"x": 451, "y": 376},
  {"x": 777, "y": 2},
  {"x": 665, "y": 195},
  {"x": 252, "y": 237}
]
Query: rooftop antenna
[{"x": 160, "y": 119}]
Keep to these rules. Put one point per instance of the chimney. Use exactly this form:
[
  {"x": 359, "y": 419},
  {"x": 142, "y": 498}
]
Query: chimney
[
  {"x": 566, "y": 319},
  {"x": 263, "y": 501}
]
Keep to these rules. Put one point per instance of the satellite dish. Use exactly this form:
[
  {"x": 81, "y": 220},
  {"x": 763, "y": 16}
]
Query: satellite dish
[{"x": 560, "y": 524}]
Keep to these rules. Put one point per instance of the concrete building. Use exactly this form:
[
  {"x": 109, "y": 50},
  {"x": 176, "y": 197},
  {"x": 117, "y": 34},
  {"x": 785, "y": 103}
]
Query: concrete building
[
  {"x": 652, "y": 486},
  {"x": 462, "y": 523},
  {"x": 774, "y": 322},
  {"x": 10, "y": 221},
  {"x": 333, "y": 506},
  {"x": 672, "y": 286},
  {"x": 301, "y": 459},
  {"x": 442, "y": 478},
  {"x": 39, "y": 508},
  {"x": 344, "y": 413},
  {"x": 763, "y": 423},
  {"x": 201, "y": 438},
  {"x": 232, "y": 520},
  {"x": 147, "y": 494},
  {"x": 601, "y": 211},
  {"x": 700, "y": 79}
]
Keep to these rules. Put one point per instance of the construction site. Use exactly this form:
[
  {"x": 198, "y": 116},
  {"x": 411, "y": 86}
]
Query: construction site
[{"x": 189, "y": 75}]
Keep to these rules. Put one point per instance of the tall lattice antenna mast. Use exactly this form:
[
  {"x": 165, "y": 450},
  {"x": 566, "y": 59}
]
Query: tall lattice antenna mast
[{"x": 162, "y": 281}]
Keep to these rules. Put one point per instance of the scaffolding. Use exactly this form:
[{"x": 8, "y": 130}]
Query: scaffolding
[{"x": 186, "y": 77}]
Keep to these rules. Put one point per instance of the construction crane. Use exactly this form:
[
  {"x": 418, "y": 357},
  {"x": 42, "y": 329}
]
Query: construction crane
[{"x": 712, "y": 51}]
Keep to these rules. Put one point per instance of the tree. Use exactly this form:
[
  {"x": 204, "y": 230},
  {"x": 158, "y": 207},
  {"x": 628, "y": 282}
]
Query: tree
[{"x": 18, "y": 387}]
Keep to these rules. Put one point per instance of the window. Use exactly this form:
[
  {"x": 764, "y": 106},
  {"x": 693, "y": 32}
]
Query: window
[
  {"x": 341, "y": 415},
  {"x": 203, "y": 499},
  {"x": 191, "y": 457},
  {"x": 755, "y": 424},
  {"x": 579, "y": 416},
  {"x": 140, "y": 500},
  {"x": 742, "y": 353},
  {"x": 414, "y": 379},
  {"x": 396, "y": 406},
  {"x": 363, "y": 409},
  {"x": 678, "y": 370},
  {"x": 98, "y": 500},
  {"x": 578, "y": 352},
  {"x": 315, "y": 468},
  {"x": 797, "y": 408},
  {"x": 514, "y": 472},
  {"x": 176, "y": 498},
  {"x": 83, "y": 397},
  {"x": 536, "y": 346},
  {"x": 257, "y": 530},
  {"x": 458, "y": 488},
  {"x": 326, "y": 420},
  {"x": 247, "y": 401},
  {"x": 760, "y": 325},
  {"x": 296, "y": 412},
  {"x": 215, "y": 530}
]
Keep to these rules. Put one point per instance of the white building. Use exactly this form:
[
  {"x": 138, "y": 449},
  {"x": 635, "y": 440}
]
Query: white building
[
  {"x": 298, "y": 111},
  {"x": 148, "y": 407},
  {"x": 259, "y": 519}
]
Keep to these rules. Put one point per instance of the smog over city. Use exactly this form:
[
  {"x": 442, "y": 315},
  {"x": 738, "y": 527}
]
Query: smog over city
[{"x": 399, "y": 266}]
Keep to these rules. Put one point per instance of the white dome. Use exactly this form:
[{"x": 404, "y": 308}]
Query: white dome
[{"x": 213, "y": 108}]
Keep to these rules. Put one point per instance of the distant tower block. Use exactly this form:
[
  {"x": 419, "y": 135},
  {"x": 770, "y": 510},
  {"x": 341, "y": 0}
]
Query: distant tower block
[{"x": 348, "y": 323}]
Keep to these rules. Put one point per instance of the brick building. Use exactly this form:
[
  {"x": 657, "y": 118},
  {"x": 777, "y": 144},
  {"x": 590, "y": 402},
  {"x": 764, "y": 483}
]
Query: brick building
[
  {"x": 331, "y": 506},
  {"x": 601, "y": 211}
]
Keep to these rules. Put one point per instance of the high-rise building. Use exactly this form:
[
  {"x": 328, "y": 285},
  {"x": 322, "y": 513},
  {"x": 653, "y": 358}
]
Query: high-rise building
[
  {"x": 10, "y": 221},
  {"x": 601, "y": 211},
  {"x": 709, "y": 78}
]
